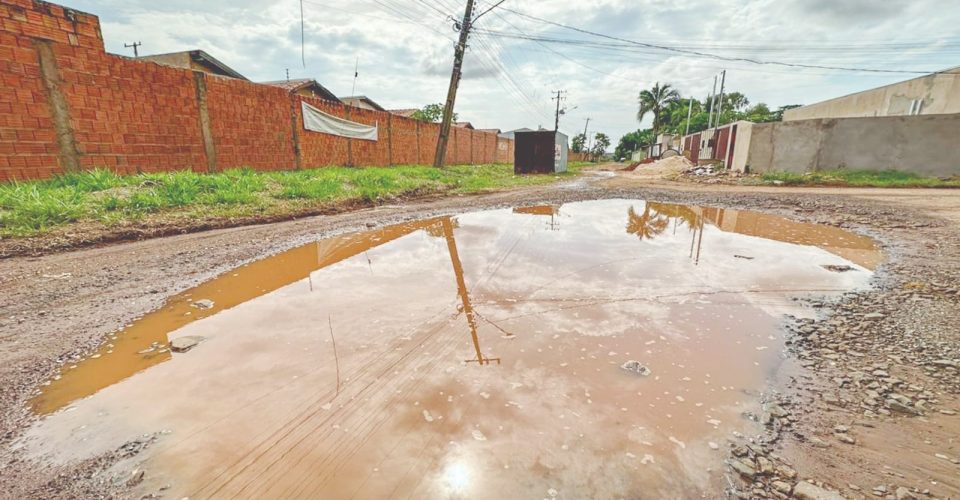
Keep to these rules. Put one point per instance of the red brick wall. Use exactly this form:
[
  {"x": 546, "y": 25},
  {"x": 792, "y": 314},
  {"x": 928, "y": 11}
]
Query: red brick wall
[
  {"x": 320, "y": 150},
  {"x": 429, "y": 134},
  {"x": 130, "y": 117},
  {"x": 504, "y": 152},
  {"x": 28, "y": 144},
  {"x": 27, "y": 140},
  {"x": 133, "y": 116},
  {"x": 404, "y": 142},
  {"x": 251, "y": 124}
]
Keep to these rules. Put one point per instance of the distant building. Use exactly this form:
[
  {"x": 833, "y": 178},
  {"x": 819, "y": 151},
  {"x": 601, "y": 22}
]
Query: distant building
[
  {"x": 463, "y": 125},
  {"x": 196, "y": 60},
  {"x": 510, "y": 134},
  {"x": 306, "y": 87},
  {"x": 489, "y": 130},
  {"x": 362, "y": 101},
  {"x": 933, "y": 94},
  {"x": 540, "y": 152},
  {"x": 406, "y": 112}
]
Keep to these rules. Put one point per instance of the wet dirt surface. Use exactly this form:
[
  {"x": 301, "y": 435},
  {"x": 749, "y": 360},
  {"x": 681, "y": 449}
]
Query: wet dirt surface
[
  {"x": 69, "y": 302},
  {"x": 462, "y": 356}
]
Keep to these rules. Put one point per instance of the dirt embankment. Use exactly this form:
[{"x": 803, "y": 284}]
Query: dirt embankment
[{"x": 865, "y": 403}]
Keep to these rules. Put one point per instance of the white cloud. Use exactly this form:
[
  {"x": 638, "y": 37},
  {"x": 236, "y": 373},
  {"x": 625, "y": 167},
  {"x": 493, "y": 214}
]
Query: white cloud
[{"x": 405, "y": 49}]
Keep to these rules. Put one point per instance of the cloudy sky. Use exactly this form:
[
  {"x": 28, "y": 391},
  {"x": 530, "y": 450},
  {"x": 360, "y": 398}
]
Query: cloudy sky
[{"x": 405, "y": 49}]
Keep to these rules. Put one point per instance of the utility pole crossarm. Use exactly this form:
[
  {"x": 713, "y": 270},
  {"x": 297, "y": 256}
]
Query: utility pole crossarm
[
  {"x": 458, "y": 53},
  {"x": 134, "y": 45}
]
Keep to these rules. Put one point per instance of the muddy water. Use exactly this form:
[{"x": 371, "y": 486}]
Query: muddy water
[{"x": 462, "y": 357}]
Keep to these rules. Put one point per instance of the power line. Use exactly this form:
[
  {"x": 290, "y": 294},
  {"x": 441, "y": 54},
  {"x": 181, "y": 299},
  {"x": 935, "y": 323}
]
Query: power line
[
  {"x": 711, "y": 55},
  {"x": 561, "y": 54}
]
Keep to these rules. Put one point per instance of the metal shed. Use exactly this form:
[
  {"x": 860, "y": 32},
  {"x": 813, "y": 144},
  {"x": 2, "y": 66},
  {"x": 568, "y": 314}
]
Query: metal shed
[{"x": 539, "y": 152}]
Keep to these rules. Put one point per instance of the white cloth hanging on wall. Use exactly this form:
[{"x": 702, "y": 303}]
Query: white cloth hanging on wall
[{"x": 318, "y": 121}]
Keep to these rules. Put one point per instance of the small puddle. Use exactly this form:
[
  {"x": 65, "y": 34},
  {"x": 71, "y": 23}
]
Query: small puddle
[{"x": 472, "y": 355}]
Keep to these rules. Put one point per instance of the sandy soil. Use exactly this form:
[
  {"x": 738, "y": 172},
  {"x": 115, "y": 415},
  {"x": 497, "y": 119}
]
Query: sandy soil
[{"x": 866, "y": 403}]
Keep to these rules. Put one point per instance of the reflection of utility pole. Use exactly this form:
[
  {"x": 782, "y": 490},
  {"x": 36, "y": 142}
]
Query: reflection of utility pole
[
  {"x": 696, "y": 262},
  {"x": 464, "y": 295}
]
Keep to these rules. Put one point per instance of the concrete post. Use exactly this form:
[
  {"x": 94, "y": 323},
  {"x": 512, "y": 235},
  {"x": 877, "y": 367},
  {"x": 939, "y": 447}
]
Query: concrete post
[
  {"x": 419, "y": 160},
  {"x": 295, "y": 126},
  {"x": 349, "y": 141},
  {"x": 389, "y": 138},
  {"x": 200, "y": 82},
  {"x": 57, "y": 103}
]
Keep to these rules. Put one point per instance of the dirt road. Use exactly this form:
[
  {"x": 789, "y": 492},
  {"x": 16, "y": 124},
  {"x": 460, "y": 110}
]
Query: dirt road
[{"x": 865, "y": 403}]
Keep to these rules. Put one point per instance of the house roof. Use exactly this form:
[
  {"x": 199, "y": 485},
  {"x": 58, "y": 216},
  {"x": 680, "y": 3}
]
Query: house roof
[
  {"x": 463, "y": 125},
  {"x": 407, "y": 112},
  {"x": 510, "y": 133},
  {"x": 298, "y": 84},
  {"x": 490, "y": 130},
  {"x": 950, "y": 71},
  {"x": 353, "y": 99},
  {"x": 197, "y": 56}
]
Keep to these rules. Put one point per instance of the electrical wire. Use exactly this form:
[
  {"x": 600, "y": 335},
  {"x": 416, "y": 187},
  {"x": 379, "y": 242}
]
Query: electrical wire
[{"x": 702, "y": 54}]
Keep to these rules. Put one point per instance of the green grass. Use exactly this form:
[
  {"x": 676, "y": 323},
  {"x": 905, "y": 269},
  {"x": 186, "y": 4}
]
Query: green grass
[
  {"x": 858, "y": 178},
  {"x": 101, "y": 196}
]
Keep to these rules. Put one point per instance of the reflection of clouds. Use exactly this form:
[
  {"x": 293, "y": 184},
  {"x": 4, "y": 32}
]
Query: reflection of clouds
[
  {"x": 559, "y": 401},
  {"x": 593, "y": 256},
  {"x": 591, "y": 318}
]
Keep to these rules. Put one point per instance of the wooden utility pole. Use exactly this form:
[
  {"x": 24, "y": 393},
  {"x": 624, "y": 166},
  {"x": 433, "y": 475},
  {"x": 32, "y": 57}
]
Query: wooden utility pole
[
  {"x": 723, "y": 82},
  {"x": 586, "y": 141},
  {"x": 458, "y": 52},
  {"x": 558, "y": 98}
]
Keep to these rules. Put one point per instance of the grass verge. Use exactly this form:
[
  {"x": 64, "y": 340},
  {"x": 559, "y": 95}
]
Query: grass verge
[
  {"x": 103, "y": 197},
  {"x": 859, "y": 178}
]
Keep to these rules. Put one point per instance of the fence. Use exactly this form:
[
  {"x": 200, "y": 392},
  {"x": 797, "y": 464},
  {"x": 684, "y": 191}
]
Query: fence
[
  {"x": 924, "y": 144},
  {"x": 65, "y": 104}
]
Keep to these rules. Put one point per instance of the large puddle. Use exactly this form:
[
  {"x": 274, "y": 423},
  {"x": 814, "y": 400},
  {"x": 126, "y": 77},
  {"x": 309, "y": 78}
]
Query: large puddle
[{"x": 467, "y": 356}]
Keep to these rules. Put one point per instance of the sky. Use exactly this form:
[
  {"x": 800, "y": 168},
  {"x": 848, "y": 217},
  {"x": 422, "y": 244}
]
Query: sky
[{"x": 404, "y": 49}]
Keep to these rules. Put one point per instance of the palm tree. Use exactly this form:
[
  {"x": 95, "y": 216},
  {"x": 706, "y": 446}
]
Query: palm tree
[
  {"x": 654, "y": 101},
  {"x": 645, "y": 226}
]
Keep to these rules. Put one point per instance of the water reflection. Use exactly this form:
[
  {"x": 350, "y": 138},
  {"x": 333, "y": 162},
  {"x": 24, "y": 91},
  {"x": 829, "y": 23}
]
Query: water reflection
[
  {"x": 656, "y": 218},
  {"x": 143, "y": 343},
  {"x": 473, "y": 353}
]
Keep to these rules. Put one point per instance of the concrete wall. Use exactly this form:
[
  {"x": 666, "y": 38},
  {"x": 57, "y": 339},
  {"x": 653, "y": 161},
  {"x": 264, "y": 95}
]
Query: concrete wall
[
  {"x": 923, "y": 144},
  {"x": 741, "y": 145},
  {"x": 940, "y": 94}
]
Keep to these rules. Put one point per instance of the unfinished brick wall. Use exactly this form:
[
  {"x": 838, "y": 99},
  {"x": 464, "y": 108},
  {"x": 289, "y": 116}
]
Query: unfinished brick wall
[
  {"x": 250, "y": 124},
  {"x": 66, "y": 104},
  {"x": 114, "y": 115}
]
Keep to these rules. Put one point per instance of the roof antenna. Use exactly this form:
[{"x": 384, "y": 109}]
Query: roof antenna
[
  {"x": 356, "y": 66},
  {"x": 303, "y": 56}
]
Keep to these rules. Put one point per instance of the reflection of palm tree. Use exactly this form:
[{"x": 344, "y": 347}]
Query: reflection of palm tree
[
  {"x": 645, "y": 225},
  {"x": 672, "y": 211}
]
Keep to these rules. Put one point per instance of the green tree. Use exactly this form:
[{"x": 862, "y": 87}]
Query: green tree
[
  {"x": 579, "y": 143},
  {"x": 779, "y": 112},
  {"x": 736, "y": 101},
  {"x": 654, "y": 101},
  {"x": 633, "y": 141},
  {"x": 430, "y": 113},
  {"x": 600, "y": 144}
]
